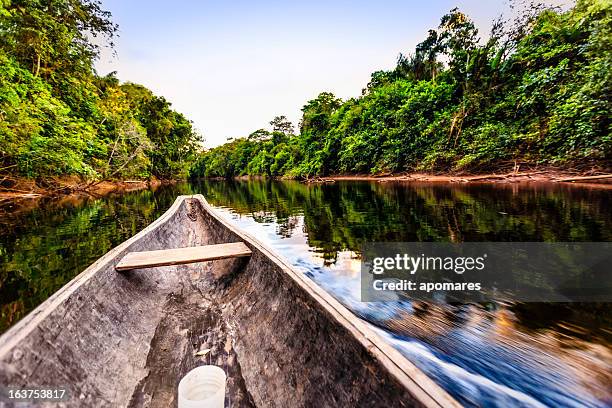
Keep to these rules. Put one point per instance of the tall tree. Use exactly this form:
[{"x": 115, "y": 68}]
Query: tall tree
[
  {"x": 54, "y": 37},
  {"x": 282, "y": 124}
]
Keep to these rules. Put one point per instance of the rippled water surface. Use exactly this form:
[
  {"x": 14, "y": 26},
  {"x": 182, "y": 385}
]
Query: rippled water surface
[{"x": 492, "y": 354}]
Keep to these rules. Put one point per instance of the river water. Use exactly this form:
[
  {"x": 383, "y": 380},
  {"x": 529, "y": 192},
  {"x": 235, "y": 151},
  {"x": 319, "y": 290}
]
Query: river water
[{"x": 529, "y": 354}]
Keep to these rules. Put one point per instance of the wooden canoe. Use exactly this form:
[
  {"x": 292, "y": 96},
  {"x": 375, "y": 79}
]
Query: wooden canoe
[{"x": 125, "y": 339}]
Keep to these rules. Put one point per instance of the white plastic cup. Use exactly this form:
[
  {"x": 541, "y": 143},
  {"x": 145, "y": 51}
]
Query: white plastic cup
[{"x": 202, "y": 387}]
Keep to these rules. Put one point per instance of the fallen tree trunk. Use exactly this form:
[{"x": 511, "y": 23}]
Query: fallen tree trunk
[
  {"x": 599, "y": 177},
  {"x": 500, "y": 176}
]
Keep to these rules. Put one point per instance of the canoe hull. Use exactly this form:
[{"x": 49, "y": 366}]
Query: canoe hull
[{"x": 126, "y": 339}]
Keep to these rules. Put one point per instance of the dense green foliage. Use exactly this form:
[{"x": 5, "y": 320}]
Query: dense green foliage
[
  {"x": 58, "y": 117},
  {"x": 537, "y": 91}
]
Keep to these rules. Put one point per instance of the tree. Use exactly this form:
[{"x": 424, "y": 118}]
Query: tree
[
  {"x": 282, "y": 125},
  {"x": 53, "y": 37},
  {"x": 57, "y": 116}
]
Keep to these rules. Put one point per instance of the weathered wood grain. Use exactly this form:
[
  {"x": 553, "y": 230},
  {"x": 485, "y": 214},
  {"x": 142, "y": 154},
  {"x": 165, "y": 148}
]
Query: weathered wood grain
[{"x": 180, "y": 256}]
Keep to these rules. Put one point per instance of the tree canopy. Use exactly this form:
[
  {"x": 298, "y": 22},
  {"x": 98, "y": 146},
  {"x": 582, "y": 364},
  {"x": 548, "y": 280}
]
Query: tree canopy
[
  {"x": 58, "y": 116},
  {"x": 536, "y": 91}
]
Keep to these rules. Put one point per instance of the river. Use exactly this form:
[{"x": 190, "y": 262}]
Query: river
[{"x": 529, "y": 354}]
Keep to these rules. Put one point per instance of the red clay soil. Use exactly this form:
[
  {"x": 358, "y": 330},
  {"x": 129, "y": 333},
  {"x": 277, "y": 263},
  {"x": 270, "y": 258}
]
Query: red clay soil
[
  {"x": 29, "y": 189},
  {"x": 19, "y": 188},
  {"x": 600, "y": 180}
]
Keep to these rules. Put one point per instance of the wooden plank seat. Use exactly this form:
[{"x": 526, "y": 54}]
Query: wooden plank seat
[{"x": 179, "y": 256}]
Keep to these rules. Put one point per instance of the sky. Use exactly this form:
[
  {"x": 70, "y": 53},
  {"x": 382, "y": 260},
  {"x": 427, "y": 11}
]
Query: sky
[{"x": 232, "y": 66}]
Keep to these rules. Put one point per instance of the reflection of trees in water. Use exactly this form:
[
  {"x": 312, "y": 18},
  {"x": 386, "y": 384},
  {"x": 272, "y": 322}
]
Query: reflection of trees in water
[
  {"x": 287, "y": 226},
  {"x": 586, "y": 321},
  {"x": 566, "y": 323},
  {"x": 344, "y": 215},
  {"x": 492, "y": 340},
  {"x": 45, "y": 246}
]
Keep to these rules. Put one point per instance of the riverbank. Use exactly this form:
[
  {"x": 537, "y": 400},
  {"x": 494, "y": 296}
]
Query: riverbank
[
  {"x": 598, "y": 179},
  {"x": 20, "y": 188}
]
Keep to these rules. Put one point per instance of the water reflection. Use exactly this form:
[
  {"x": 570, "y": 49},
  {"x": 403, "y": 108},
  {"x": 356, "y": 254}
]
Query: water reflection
[
  {"x": 489, "y": 354},
  {"x": 44, "y": 244}
]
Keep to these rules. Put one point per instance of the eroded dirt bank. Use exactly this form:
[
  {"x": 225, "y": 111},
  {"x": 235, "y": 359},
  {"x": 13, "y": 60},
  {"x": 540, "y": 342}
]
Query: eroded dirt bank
[
  {"x": 19, "y": 188},
  {"x": 599, "y": 179}
]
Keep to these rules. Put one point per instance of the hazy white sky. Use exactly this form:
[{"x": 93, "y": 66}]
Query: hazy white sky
[{"x": 231, "y": 67}]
